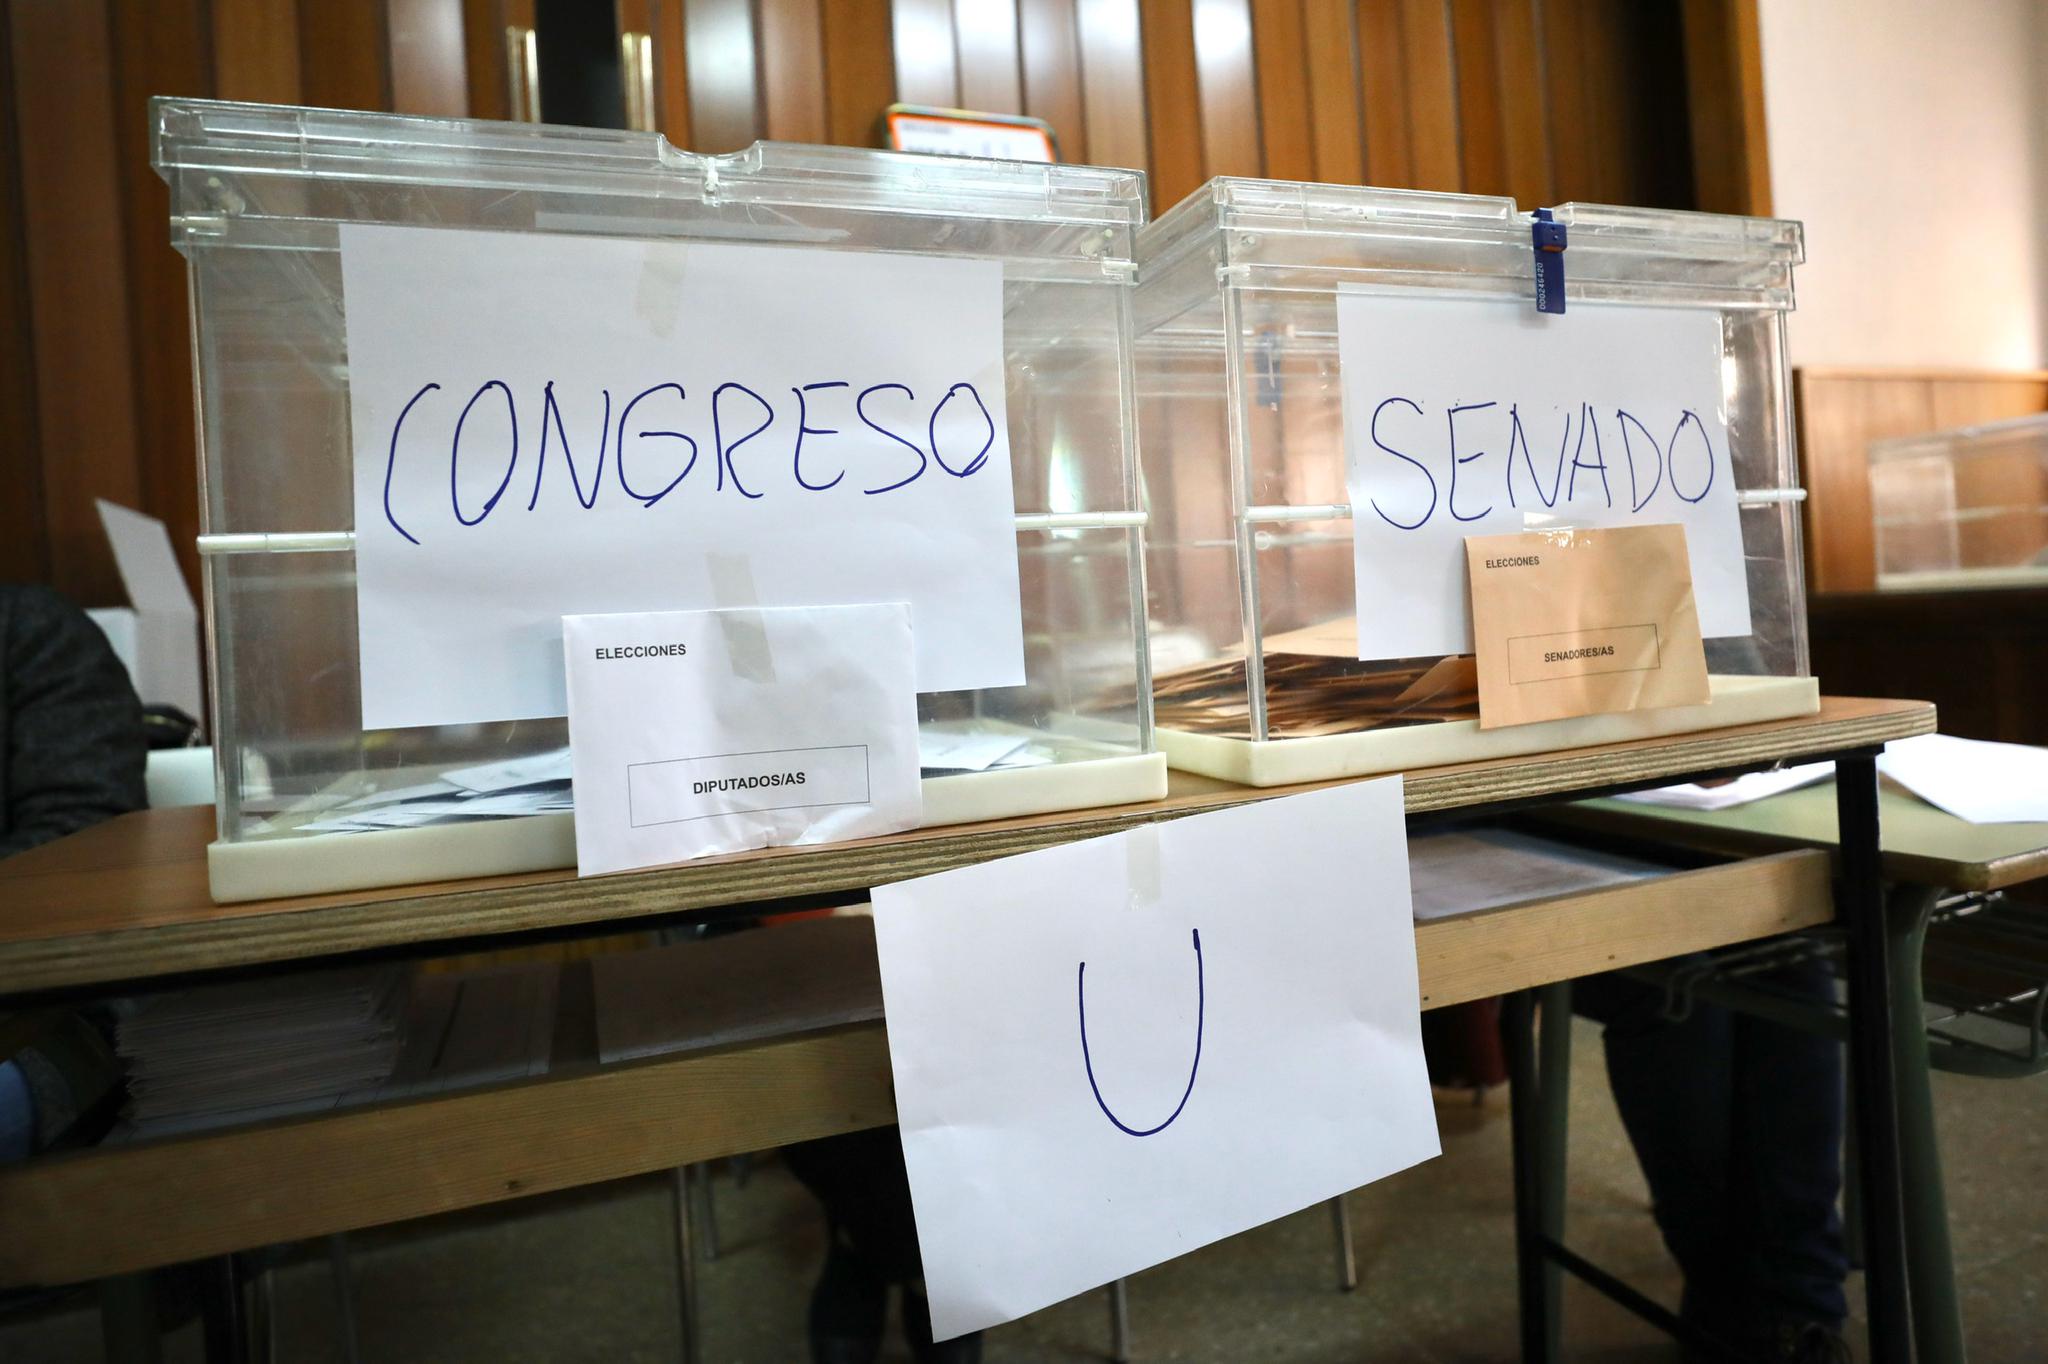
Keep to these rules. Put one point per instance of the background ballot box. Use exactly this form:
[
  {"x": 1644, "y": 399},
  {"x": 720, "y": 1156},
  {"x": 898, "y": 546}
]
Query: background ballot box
[
  {"x": 1308, "y": 609},
  {"x": 392, "y": 757},
  {"x": 1962, "y": 508}
]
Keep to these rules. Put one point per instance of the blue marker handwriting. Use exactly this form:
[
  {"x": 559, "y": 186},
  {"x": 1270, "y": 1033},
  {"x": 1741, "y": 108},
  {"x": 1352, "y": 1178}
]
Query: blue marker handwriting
[
  {"x": 1088, "y": 1062},
  {"x": 1470, "y": 460},
  {"x": 862, "y": 441}
]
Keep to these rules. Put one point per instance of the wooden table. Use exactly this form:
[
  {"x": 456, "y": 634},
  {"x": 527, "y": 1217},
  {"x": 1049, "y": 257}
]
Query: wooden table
[
  {"x": 126, "y": 903},
  {"x": 1926, "y": 853}
]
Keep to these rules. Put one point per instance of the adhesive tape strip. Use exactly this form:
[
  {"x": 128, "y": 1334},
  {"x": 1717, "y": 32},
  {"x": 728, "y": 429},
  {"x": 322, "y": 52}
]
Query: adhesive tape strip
[
  {"x": 1559, "y": 530},
  {"x": 740, "y": 618},
  {"x": 1141, "y": 865},
  {"x": 658, "y": 297}
]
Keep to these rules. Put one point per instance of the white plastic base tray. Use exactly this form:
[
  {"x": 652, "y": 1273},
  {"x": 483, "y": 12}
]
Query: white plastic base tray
[
  {"x": 1282, "y": 762},
  {"x": 314, "y": 864},
  {"x": 1951, "y": 579}
]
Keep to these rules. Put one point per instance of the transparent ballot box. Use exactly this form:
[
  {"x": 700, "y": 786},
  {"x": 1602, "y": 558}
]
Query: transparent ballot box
[
  {"x": 324, "y": 784},
  {"x": 1253, "y": 298},
  {"x": 1962, "y": 508}
]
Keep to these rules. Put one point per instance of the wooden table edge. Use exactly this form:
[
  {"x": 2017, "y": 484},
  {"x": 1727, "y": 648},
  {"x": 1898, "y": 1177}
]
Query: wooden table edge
[
  {"x": 111, "y": 1210},
  {"x": 450, "y": 913}
]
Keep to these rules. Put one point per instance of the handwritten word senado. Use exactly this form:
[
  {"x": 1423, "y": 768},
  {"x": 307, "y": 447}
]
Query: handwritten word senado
[{"x": 1475, "y": 457}]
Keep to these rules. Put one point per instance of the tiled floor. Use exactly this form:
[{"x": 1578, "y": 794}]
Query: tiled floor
[{"x": 590, "y": 1276}]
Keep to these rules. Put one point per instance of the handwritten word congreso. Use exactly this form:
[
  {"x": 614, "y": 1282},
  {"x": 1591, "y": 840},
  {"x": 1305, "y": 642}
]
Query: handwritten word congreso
[
  {"x": 957, "y": 435},
  {"x": 1590, "y": 463}
]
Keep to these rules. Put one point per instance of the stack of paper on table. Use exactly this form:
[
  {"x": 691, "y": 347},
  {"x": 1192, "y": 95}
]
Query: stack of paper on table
[
  {"x": 763, "y": 982},
  {"x": 1315, "y": 684},
  {"x": 1465, "y": 871},
  {"x": 223, "y": 1054}
]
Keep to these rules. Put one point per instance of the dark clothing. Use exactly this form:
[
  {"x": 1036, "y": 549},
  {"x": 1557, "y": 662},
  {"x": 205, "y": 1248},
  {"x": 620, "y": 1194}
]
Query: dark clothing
[
  {"x": 1738, "y": 1124},
  {"x": 72, "y": 746},
  {"x": 861, "y": 1180}
]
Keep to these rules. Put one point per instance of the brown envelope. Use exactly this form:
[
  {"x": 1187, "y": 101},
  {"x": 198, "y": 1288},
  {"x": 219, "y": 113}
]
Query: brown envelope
[{"x": 1582, "y": 622}]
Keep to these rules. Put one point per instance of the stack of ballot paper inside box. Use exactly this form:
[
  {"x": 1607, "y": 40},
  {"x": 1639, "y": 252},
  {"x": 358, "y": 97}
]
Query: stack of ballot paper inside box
[
  {"x": 787, "y": 377},
  {"x": 1338, "y": 386},
  {"x": 517, "y": 786}
]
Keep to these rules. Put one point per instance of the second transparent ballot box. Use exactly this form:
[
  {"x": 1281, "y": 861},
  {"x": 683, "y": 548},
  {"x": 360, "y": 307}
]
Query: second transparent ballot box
[
  {"x": 1337, "y": 385},
  {"x": 1962, "y": 508},
  {"x": 457, "y": 379}
]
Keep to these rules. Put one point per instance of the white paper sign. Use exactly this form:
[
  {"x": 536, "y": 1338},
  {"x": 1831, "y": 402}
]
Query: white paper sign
[
  {"x": 698, "y": 732},
  {"x": 551, "y": 425},
  {"x": 159, "y": 640},
  {"x": 1110, "y": 1053},
  {"x": 1482, "y": 416}
]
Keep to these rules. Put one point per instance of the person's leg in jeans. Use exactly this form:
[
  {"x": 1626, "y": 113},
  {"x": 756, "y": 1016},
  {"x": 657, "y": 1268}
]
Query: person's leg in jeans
[
  {"x": 1788, "y": 1158},
  {"x": 1737, "y": 1123},
  {"x": 17, "y": 1114},
  {"x": 1673, "y": 1084}
]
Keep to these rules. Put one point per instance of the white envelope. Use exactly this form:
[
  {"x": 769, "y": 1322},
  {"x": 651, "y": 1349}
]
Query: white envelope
[
  {"x": 699, "y": 732},
  {"x": 1111, "y": 1053}
]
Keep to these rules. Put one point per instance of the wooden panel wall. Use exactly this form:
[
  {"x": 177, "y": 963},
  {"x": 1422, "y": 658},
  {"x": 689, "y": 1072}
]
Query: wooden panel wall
[
  {"x": 95, "y": 348},
  {"x": 1635, "y": 101},
  {"x": 1842, "y": 410}
]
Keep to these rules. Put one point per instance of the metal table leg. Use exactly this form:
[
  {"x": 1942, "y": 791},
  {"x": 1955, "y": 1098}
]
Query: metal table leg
[
  {"x": 261, "y": 1327},
  {"x": 343, "y": 1280},
  {"x": 686, "y": 1267},
  {"x": 1937, "y": 1318},
  {"x": 1553, "y": 1098},
  {"x": 1119, "y": 1323},
  {"x": 128, "y": 1331},
  {"x": 1347, "y": 1251},
  {"x": 1526, "y": 1129},
  {"x": 1871, "y": 1062},
  {"x": 705, "y": 1176},
  {"x": 220, "y": 1311}
]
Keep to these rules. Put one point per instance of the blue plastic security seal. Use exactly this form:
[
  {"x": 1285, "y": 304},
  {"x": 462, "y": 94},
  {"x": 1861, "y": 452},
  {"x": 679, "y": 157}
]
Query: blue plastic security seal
[{"x": 1547, "y": 235}]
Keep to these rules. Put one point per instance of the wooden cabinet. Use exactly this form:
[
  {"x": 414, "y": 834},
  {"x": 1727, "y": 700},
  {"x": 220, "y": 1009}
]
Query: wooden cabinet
[{"x": 1979, "y": 654}]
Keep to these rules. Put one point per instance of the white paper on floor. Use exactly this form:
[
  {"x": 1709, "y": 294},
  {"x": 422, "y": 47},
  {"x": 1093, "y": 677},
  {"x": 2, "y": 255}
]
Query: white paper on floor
[
  {"x": 1984, "y": 783},
  {"x": 1113, "y": 1052}
]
